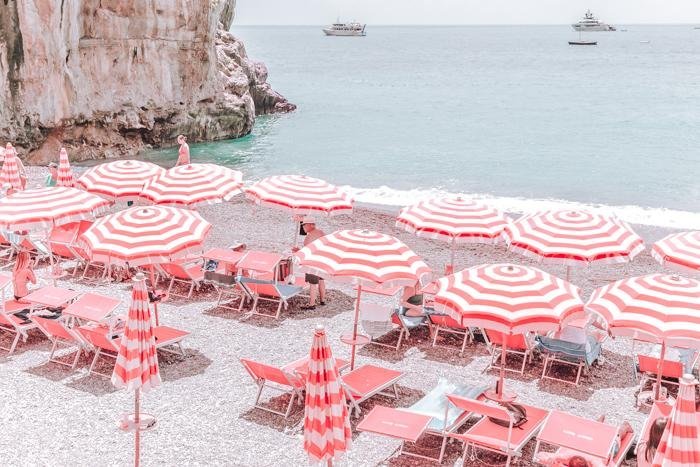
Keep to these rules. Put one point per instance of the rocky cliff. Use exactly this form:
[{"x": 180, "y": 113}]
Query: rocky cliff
[{"x": 105, "y": 78}]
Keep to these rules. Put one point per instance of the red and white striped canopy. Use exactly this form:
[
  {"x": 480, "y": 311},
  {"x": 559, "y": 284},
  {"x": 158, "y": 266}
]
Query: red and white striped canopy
[
  {"x": 327, "y": 432},
  {"x": 300, "y": 195},
  {"x": 9, "y": 174},
  {"x": 453, "y": 219},
  {"x": 679, "y": 251},
  {"x": 573, "y": 238},
  {"x": 122, "y": 179},
  {"x": 507, "y": 298},
  {"x": 364, "y": 257},
  {"x": 137, "y": 361},
  {"x": 193, "y": 184},
  {"x": 680, "y": 443},
  {"x": 64, "y": 173},
  {"x": 145, "y": 235},
  {"x": 44, "y": 208},
  {"x": 655, "y": 307}
]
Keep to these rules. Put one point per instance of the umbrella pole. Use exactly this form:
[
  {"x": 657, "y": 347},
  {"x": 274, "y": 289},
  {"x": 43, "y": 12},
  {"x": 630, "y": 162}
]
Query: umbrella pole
[
  {"x": 354, "y": 328},
  {"x": 568, "y": 273},
  {"x": 296, "y": 234},
  {"x": 153, "y": 286},
  {"x": 657, "y": 387},
  {"x": 502, "y": 374},
  {"x": 137, "y": 431}
]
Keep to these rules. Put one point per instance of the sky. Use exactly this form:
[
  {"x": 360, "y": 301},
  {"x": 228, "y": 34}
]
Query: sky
[{"x": 316, "y": 12}]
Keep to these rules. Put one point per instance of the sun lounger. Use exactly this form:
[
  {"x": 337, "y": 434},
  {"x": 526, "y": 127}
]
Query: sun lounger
[
  {"x": 377, "y": 320},
  {"x": 91, "y": 307},
  {"x": 446, "y": 324},
  {"x": 517, "y": 344},
  {"x": 367, "y": 381},
  {"x": 61, "y": 337},
  {"x": 486, "y": 434},
  {"x": 671, "y": 372},
  {"x": 61, "y": 238},
  {"x": 16, "y": 325},
  {"x": 228, "y": 289},
  {"x": 271, "y": 291},
  {"x": 442, "y": 417},
  {"x": 579, "y": 356},
  {"x": 192, "y": 275},
  {"x": 170, "y": 339},
  {"x": 104, "y": 342}
]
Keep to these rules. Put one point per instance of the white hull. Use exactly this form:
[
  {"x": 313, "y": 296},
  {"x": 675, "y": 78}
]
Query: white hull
[
  {"x": 335, "y": 32},
  {"x": 597, "y": 27}
]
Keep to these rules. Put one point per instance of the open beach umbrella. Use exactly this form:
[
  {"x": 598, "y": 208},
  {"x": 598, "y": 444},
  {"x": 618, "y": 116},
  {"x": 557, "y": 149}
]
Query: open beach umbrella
[
  {"x": 9, "y": 174},
  {"x": 573, "y": 238},
  {"x": 509, "y": 299},
  {"x": 364, "y": 258},
  {"x": 193, "y": 185},
  {"x": 64, "y": 174},
  {"x": 327, "y": 432},
  {"x": 454, "y": 220},
  {"x": 45, "y": 208},
  {"x": 123, "y": 179},
  {"x": 300, "y": 196},
  {"x": 660, "y": 308},
  {"x": 680, "y": 251},
  {"x": 680, "y": 443},
  {"x": 136, "y": 368}
]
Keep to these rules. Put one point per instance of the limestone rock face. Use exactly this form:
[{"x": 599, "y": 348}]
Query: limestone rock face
[{"x": 105, "y": 78}]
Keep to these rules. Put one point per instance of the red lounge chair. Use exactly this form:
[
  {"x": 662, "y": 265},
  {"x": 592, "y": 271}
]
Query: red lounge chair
[
  {"x": 367, "y": 381},
  {"x": 517, "y": 344},
  {"x": 61, "y": 238},
  {"x": 193, "y": 275},
  {"x": 167, "y": 337},
  {"x": 377, "y": 320},
  {"x": 12, "y": 324},
  {"x": 446, "y": 324},
  {"x": 671, "y": 371},
  {"x": 60, "y": 337},
  {"x": 491, "y": 436},
  {"x": 228, "y": 290},
  {"x": 105, "y": 344},
  {"x": 91, "y": 307}
]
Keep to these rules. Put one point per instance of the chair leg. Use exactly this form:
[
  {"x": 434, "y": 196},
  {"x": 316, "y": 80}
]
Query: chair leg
[
  {"x": 14, "y": 343},
  {"x": 442, "y": 449},
  {"x": 464, "y": 343},
  {"x": 170, "y": 287},
  {"x": 435, "y": 335},
  {"x": 289, "y": 406},
  {"x": 53, "y": 349},
  {"x": 94, "y": 361},
  {"x": 189, "y": 294},
  {"x": 522, "y": 368},
  {"x": 77, "y": 356}
]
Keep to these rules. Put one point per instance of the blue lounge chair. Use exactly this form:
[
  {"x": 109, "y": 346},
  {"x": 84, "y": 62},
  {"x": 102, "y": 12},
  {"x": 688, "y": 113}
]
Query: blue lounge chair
[{"x": 581, "y": 356}]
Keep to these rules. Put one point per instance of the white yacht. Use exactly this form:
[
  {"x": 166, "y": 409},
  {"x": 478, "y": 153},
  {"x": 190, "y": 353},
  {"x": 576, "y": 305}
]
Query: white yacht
[
  {"x": 345, "y": 29},
  {"x": 591, "y": 23}
]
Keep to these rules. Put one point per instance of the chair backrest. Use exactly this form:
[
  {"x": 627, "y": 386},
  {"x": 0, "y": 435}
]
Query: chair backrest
[
  {"x": 513, "y": 341},
  {"x": 78, "y": 246},
  {"x": 175, "y": 270},
  {"x": 61, "y": 237},
  {"x": 375, "y": 318},
  {"x": 444, "y": 321},
  {"x": 100, "y": 338},
  {"x": 262, "y": 371},
  {"x": 218, "y": 279},
  {"x": 481, "y": 408},
  {"x": 53, "y": 328},
  {"x": 669, "y": 368}
]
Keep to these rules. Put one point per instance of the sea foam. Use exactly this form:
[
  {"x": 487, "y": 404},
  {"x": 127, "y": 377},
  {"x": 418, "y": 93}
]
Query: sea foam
[{"x": 660, "y": 217}]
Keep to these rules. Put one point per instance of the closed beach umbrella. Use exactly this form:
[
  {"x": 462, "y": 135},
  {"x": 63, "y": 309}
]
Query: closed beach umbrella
[
  {"x": 64, "y": 173},
  {"x": 454, "y": 220},
  {"x": 509, "y": 299},
  {"x": 137, "y": 362},
  {"x": 193, "y": 184},
  {"x": 327, "y": 432},
  {"x": 573, "y": 238},
  {"x": 680, "y": 443},
  {"x": 10, "y": 169},
  {"x": 679, "y": 251},
  {"x": 122, "y": 179},
  {"x": 659, "y": 308},
  {"x": 44, "y": 208},
  {"x": 365, "y": 258},
  {"x": 300, "y": 195}
]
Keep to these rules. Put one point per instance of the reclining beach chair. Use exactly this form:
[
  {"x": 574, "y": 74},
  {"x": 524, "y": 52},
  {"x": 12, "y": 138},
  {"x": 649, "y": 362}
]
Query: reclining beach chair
[
  {"x": 191, "y": 275},
  {"x": 10, "y": 322},
  {"x": 446, "y": 324},
  {"x": 367, "y": 381},
  {"x": 579, "y": 356},
  {"x": 486, "y": 434},
  {"x": 671, "y": 371},
  {"x": 517, "y": 344},
  {"x": 104, "y": 342},
  {"x": 61, "y": 238},
  {"x": 377, "y": 320},
  {"x": 169, "y": 339},
  {"x": 228, "y": 290},
  {"x": 61, "y": 337},
  {"x": 7, "y": 252}
]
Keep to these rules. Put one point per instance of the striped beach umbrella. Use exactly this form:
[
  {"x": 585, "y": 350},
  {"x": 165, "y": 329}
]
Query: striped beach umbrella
[
  {"x": 679, "y": 251},
  {"x": 327, "y": 432},
  {"x": 64, "y": 174},
  {"x": 137, "y": 362},
  {"x": 365, "y": 258},
  {"x": 509, "y": 299},
  {"x": 659, "y": 308},
  {"x": 145, "y": 235},
  {"x": 123, "y": 179},
  {"x": 454, "y": 220},
  {"x": 9, "y": 174},
  {"x": 300, "y": 195},
  {"x": 573, "y": 238},
  {"x": 44, "y": 208},
  {"x": 680, "y": 443},
  {"x": 193, "y": 184}
]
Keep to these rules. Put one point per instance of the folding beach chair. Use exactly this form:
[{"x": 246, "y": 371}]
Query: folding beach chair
[
  {"x": 228, "y": 290},
  {"x": 61, "y": 337},
  {"x": 671, "y": 371},
  {"x": 104, "y": 342},
  {"x": 579, "y": 356},
  {"x": 169, "y": 339},
  {"x": 271, "y": 291},
  {"x": 377, "y": 320},
  {"x": 61, "y": 238},
  {"x": 91, "y": 308},
  {"x": 367, "y": 381},
  {"x": 446, "y": 324},
  {"x": 491, "y": 436},
  {"x": 191, "y": 275},
  {"x": 15, "y": 324},
  {"x": 517, "y": 344},
  {"x": 276, "y": 379}
]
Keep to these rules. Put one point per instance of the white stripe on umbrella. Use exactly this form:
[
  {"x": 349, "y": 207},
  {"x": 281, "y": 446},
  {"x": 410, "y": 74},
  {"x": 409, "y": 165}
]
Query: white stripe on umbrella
[
  {"x": 573, "y": 238},
  {"x": 47, "y": 207},
  {"x": 10, "y": 169},
  {"x": 300, "y": 195},
  {"x": 64, "y": 174},
  {"x": 679, "y": 251},
  {"x": 145, "y": 235},
  {"x": 194, "y": 184},
  {"x": 680, "y": 443},
  {"x": 122, "y": 179},
  {"x": 327, "y": 432}
]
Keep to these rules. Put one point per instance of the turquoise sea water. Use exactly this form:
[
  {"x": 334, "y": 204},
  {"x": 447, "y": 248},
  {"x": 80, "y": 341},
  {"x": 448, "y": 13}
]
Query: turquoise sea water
[{"x": 512, "y": 113}]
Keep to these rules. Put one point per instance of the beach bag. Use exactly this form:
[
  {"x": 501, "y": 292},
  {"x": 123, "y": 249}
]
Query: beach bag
[{"x": 517, "y": 411}]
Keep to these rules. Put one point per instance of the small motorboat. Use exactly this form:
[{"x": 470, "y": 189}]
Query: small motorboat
[{"x": 581, "y": 42}]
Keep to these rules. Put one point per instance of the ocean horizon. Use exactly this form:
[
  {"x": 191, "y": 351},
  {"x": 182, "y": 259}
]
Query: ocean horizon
[{"x": 409, "y": 112}]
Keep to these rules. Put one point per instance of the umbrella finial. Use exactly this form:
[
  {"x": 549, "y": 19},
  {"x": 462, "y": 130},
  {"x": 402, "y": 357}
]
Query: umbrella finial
[
  {"x": 139, "y": 277},
  {"x": 689, "y": 379}
]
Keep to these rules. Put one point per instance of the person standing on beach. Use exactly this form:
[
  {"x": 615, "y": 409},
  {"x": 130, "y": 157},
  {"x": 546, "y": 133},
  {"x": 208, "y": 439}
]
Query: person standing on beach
[
  {"x": 183, "y": 154},
  {"x": 317, "y": 286},
  {"x": 53, "y": 175}
]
